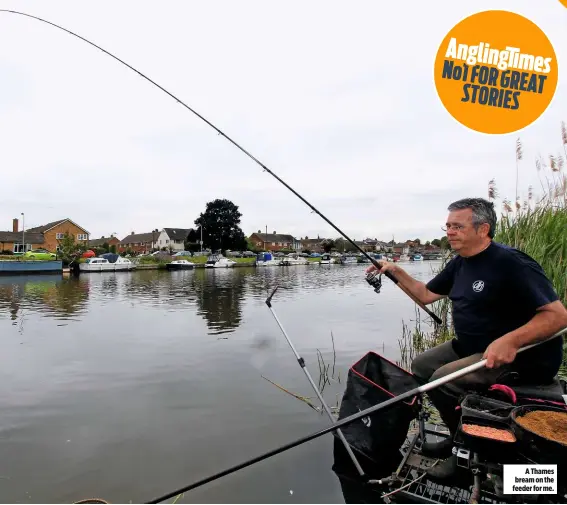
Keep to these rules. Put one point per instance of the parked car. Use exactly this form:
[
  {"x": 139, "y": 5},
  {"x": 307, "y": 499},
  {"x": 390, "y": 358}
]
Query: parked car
[{"x": 40, "y": 254}]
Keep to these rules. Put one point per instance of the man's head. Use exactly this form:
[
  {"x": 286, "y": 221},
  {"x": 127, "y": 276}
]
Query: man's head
[{"x": 471, "y": 225}]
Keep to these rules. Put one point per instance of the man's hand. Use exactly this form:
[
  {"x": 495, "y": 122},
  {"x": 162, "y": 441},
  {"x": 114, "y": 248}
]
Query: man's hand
[
  {"x": 501, "y": 352},
  {"x": 384, "y": 265}
]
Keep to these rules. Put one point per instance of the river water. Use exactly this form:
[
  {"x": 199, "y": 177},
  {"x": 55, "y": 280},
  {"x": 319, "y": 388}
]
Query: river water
[{"x": 128, "y": 385}]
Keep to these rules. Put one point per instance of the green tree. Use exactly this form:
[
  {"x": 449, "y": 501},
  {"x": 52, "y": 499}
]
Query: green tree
[
  {"x": 221, "y": 226},
  {"x": 69, "y": 249},
  {"x": 328, "y": 245},
  {"x": 436, "y": 242}
]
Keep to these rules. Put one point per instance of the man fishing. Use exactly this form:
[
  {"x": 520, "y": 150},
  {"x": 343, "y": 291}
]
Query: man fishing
[{"x": 502, "y": 301}]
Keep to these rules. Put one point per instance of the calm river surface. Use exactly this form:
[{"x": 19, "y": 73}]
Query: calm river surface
[{"x": 126, "y": 386}]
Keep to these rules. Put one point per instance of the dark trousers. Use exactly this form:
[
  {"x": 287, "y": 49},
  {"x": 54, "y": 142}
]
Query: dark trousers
[{"x": 443, "y": 360}]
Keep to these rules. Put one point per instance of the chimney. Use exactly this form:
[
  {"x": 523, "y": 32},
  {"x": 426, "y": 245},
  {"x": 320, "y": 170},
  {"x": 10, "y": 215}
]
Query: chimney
[
  {"x": 15, "y": 225},
  {"x": 132, "y": 233},
  {"x": 274, "y": 232}
]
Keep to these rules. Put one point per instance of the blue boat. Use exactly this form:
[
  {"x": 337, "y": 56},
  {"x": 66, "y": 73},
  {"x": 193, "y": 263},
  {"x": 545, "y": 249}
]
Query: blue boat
[{"x": 12, "y": 267}]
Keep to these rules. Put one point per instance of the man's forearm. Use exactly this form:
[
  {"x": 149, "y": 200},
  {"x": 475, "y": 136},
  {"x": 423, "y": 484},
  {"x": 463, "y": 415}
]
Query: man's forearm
[
  {"x": 542, "y": 326},
  {"x": 417, "y": 288}
]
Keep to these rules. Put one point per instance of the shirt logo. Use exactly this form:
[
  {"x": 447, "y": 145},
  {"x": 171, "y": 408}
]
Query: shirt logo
[{"x": 478, "y": 286}]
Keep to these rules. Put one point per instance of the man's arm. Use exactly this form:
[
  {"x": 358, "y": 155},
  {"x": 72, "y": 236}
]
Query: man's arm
[
  {"x": 417, "y": 288},
  {"x": 533, "y": 291},
  {"x": 548, "y": 320}
]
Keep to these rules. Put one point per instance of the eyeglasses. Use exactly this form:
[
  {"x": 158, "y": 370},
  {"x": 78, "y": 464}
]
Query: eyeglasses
[{"x": 456, "y": 227}]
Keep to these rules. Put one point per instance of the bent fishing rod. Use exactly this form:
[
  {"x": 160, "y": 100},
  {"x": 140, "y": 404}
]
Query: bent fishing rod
[
  {"x": 347, "y": 420},
  {"x": 372, "y": 260}
]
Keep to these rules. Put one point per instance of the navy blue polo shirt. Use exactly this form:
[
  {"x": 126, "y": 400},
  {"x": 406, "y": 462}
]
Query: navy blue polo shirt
[{"x": 494, "y": 293}]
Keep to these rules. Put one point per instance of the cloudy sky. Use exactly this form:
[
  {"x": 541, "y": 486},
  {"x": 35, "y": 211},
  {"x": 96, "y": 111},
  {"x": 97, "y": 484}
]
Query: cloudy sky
[{"x": 336, "y": 98}]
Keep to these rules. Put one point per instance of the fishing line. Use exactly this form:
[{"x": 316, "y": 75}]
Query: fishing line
[{"x": 220, "y": 132}]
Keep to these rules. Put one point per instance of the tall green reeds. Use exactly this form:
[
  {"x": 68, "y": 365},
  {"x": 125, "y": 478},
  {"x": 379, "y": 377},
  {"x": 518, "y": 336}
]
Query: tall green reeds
[{"x": 542, "y": 234}]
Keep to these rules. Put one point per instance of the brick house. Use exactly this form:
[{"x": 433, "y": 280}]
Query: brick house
[
  {"x": 55, "y": 231},
  {"x": 47, "y": 236},
  {"x": 98, "y": 242},
  {"x": 12, "y": 241},
  {"x": 312, "y": 244},
  {"x": 274, "y": 241},
  {"x": 141, "y": 243},
  {"x": 401, "y": 248}
]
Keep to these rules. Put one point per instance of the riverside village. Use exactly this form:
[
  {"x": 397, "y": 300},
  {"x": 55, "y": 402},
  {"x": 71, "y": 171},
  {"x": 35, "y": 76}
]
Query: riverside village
[{"x": 67, "y": 246}]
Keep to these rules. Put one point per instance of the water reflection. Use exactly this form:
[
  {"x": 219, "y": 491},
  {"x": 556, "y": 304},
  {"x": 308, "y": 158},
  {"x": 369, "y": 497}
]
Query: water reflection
[
  {"x": 219, "y": 295},
  {"x": 51, "y": 295}
]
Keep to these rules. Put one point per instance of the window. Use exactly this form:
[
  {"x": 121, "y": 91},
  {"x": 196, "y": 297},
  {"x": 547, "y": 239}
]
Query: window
[
  {"x": 19, "y": 248},
  {"x": 82, "y": 236},
  {"x": 59, "y": 236}
]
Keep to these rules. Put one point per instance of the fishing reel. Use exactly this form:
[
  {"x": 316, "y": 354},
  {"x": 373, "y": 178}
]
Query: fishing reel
[{"x": 375, "y": 280}]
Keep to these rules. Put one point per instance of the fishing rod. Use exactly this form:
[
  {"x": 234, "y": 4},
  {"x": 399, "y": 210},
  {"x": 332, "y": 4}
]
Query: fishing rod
[
  {"x": 347, "y": 420},
  {"x": 372, "y": 260},
  {"x": 301, "y": 362}
]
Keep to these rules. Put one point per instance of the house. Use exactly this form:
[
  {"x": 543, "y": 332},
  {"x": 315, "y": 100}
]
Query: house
[
  {"x": 55, "y": 231},
  {"x": 141, "y": 243},
  {"x": 12, "y": 241},
  {"x": 173, "y": 238},
  {"x": 373, "y": 245},
  {"x": 312, "y": 244},
  {"x": 274, "y": 241},
  {"x": 47, "y": 236},
  {"x": 401, "y": 249},
  {"x": 99, "y": 242}
]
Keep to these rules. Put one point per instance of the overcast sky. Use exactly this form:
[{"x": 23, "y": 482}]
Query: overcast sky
[{"x": 337, "y": 99}]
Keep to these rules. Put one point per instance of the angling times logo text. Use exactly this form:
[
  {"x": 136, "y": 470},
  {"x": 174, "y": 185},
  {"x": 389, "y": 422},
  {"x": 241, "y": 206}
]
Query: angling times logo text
[{"x": 496, "y": 72}]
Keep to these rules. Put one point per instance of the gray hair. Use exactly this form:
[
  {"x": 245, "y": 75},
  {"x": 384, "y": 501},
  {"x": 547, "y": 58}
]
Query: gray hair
[{"x": 482, "y": 212}]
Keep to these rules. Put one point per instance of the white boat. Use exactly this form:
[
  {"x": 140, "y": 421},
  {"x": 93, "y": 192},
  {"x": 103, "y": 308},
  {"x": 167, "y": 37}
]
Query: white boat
[
  {"x": 325, "y": 259},
  {"x": 349, "y": 260},
  {"x": 265, "y": 259},
  {"x": 180, "y": 265},
  {"x": 416, "y": 257},
  {"x": 211, "y": 260},
  {"x": 224, "y": 263},
  {"x": 103, "y": 265},
  {"x": 294, "y": 259}
]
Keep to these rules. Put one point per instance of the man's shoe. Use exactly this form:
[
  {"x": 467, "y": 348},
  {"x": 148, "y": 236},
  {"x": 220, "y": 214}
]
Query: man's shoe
[
  {"x": 442, "y": 449},
  {"x": 443, "y": 470}
]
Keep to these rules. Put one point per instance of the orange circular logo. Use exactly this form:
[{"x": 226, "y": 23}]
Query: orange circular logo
[{"x": 496, "y": 72}]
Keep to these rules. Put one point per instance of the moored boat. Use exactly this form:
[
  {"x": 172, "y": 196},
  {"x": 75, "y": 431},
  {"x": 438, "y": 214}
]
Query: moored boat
[
  {"x": 224, "y": 263},
  {"x": 100, "y": 264},
  {"x": 266, "y": 259},
  {"x": 180, "y": 265},
  {"x": 325, "y": 259}
]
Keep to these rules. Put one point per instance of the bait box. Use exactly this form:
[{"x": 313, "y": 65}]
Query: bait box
[
  {"x": 473, "y": 406},
  {"x": 484, "y": 445}
]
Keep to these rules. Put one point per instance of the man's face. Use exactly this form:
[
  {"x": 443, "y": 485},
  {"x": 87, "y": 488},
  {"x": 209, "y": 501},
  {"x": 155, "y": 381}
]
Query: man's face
[{"x": 461, "y": 233}]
